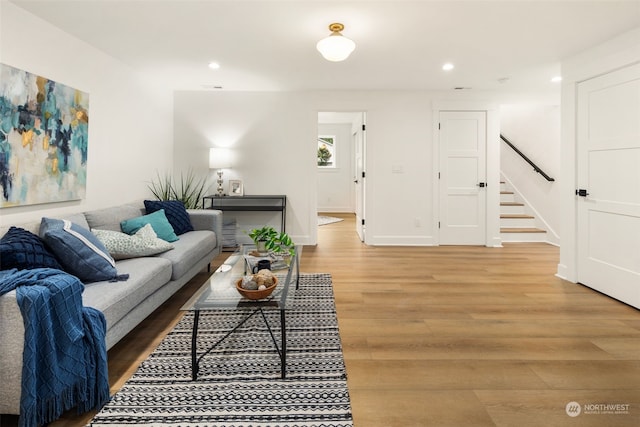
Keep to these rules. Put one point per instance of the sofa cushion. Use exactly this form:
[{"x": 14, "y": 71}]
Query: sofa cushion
[
  {"x": 22, "y": 249},
  {"x": 78, "y": 219},
  {"x": 144, "y": 242},
  {"x": 174, "y": 210},
  {"x": 158, "y": 221},
  {"x": 110, "y": 218},
  {"x": 115, "y": 300},
  {"x": 77, "y": 250},
  {"x": 190, "y": 249}
]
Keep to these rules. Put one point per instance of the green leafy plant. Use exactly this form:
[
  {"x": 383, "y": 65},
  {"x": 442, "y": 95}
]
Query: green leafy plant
[
  {"x": 323, "y": 155},
  {"x": 189, "y": 190},
  {"x": 277, "y": 242}
]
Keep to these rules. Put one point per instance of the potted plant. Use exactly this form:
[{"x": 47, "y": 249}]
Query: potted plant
[
  {"x": 267, "y": 239},
  {"x": 189, "y": 190}
]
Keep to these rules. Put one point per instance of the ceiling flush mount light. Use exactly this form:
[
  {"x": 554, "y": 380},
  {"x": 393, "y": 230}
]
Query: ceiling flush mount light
[
  {"x": 448, "y": 66},
  {"x": 214, "y": 65},
  {"x": 336, "y": 47}
]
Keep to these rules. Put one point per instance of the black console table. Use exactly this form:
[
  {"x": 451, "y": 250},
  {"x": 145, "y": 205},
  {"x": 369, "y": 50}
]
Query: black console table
[{"x": 249, "y": 203}]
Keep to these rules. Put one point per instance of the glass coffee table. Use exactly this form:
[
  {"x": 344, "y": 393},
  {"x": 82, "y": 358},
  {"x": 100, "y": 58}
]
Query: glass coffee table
[{"x": 220, "y": 293}]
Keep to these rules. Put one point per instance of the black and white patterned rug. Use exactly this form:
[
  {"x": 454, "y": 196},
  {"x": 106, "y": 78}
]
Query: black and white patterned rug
[{"x": 239, "y": 382}]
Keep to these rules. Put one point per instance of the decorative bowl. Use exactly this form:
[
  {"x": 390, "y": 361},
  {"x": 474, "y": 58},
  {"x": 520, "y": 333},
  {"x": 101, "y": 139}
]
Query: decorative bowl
[{"x": 257, "y": 294}]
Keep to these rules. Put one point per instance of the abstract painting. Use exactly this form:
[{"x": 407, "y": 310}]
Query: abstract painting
[{"x": 44, "y": 129}]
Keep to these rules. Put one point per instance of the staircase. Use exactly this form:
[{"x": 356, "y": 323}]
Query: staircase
[{"x": 516, "y": 225}]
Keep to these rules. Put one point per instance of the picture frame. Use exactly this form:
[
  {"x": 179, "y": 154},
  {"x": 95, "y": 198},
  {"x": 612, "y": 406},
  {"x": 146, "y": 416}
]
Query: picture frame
[
  {"x": 327, "y": 150},
  {"x": 236, "y": 188}
]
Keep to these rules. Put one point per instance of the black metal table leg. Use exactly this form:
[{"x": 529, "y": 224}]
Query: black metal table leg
[
  {"x": 194, "y": 349},
  {"x": 283, "y": 336}
]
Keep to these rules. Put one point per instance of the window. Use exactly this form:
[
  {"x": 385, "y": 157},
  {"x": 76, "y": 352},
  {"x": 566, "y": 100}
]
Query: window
[{"x": 327, "y": 151}]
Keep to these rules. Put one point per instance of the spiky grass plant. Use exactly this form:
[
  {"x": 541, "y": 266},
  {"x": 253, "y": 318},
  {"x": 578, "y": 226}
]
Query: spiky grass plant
[{"x": 189, "y": 190}]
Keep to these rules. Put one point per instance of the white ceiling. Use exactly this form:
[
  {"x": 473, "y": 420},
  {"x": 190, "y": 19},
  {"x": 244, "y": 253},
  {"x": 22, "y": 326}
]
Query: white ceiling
[{"x": 401, "y": 45}]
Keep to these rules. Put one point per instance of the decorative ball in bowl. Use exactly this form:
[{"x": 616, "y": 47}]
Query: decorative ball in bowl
[{"x": 256, "y": 286}]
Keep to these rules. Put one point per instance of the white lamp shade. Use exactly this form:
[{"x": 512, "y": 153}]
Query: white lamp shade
[
  {"x": 219, "y": 158},
  {"x": 336, "y": 47}
]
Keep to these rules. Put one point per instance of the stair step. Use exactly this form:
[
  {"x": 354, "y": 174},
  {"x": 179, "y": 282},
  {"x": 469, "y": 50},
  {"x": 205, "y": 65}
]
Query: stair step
[
  {"x": 521, "y": 230},
  {"x": 523, "y": 237},
  {"x": 507, "y": 198},
  {"x": 516, "y": 225}
]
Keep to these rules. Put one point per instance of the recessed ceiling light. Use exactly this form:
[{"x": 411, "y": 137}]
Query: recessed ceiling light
[
  {"x": 556, "y": 79},
  {"x": 448, "y": 66},
  {"x": 214, "y": 65}
]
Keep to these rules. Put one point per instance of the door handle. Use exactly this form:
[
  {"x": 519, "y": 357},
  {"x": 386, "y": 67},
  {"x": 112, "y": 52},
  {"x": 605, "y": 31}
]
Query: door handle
[
  {"x": 482, "y": 184},
  {"x": 582, "y": 192},
  {"x": 356, "y": 181}
]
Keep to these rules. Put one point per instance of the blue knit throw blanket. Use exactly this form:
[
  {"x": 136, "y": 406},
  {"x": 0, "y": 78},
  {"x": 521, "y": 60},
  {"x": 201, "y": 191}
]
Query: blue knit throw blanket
[{"x": 65, "y": 357}]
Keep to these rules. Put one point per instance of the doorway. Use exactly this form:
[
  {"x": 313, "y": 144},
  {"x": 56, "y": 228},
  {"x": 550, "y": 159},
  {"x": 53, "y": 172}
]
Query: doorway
[{"x": 341, "y": 164}]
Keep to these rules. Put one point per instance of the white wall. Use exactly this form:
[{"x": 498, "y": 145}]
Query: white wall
[
  {"x": 601, "y": 59},
  {"x": 273, "y": 134},
  {"x": 335, "y": 185},
  {"x": 130, "y": 124},
  {"x": 535, "y": 130}
]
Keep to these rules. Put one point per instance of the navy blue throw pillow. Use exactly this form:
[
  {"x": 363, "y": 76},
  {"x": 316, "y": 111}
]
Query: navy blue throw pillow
[
  {"x": 24, "y": 250},
  {"x": 79, "y": 251},
  {"x": 175, "y": 212}
]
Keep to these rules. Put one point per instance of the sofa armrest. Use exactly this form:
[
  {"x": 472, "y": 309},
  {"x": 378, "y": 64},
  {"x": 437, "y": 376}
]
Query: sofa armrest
[
  {"x": 11, "y": 347},
  {"x": 207, "y": 219}
]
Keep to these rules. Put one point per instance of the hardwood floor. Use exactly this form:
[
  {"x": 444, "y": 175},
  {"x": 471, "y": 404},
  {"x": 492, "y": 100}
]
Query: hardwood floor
[
  {"x": 455, "y": 336},
  {"x": 474, "y": 336}
]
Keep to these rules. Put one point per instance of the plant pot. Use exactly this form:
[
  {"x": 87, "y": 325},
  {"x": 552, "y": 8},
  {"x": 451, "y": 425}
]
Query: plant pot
[{"x": 261, "y": 246}]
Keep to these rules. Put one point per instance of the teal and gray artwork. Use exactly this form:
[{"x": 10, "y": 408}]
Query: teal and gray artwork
[{"x": 44, "y": 129}]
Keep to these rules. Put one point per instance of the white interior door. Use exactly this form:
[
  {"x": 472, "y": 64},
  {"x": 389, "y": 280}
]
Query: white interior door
[
  {"x": 608, "y": 170},
  {"x": 462, "y": 169},
  {"x": 358, "y": 180}
]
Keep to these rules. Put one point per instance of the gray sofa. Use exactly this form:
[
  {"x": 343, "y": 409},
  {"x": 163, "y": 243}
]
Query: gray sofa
[{"x": 152, "y": 280}]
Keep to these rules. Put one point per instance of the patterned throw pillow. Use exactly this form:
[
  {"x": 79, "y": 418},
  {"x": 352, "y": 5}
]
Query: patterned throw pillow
[
  {"x": 175, "y": 211},
  {"x": 144, "y": 242},
  {"x": 23, "y": 250},
  {"x": 158, "y": 221},
  {"x": 79, "y": 251}
]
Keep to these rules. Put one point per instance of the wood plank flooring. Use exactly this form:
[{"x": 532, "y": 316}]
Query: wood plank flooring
[
  {"x": 455, "y": 336},
  {"x": 474, "y": 336}
]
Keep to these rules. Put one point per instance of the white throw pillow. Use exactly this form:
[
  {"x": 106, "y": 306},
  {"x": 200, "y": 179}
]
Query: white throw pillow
[{"x": 144, "y": 242}]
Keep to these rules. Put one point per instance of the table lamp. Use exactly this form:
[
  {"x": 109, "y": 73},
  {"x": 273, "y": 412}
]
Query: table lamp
[{"x": 219, "y": 158}]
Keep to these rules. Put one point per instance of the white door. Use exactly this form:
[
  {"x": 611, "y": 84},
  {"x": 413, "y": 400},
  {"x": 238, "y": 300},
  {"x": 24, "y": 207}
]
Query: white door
[
  {"x": 608, "y": 170},
  {"x": 462, "y": 170},
  {"x": 358, "y": 180}
]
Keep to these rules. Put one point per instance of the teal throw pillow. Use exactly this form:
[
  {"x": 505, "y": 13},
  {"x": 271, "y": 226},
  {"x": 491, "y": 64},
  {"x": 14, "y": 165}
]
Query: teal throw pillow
[{"x": 158, "y": 221}]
